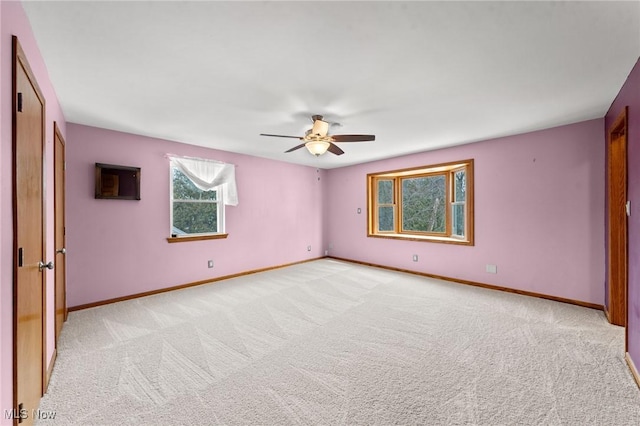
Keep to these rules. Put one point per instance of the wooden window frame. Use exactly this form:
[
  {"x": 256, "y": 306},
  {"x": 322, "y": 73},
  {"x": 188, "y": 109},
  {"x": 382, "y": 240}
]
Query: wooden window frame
[
  {"x": 447, "y": 170},
  {"x": 453, "y": 202},
  {"x": 400, "y": 226},
  {"x": 393, "y": 204}
]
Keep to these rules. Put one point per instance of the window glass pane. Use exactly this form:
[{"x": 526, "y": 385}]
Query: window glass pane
[
  {"x": 460, "y": 186},
  {"x": 385, "y": 219},
  {"x": 194, "y": 218},
  {"x": 423, "y": 204},
  {"x": 184, "y": 189},
  {"x": 457, "y": 219},
  {"x": 385, "y": 192}
]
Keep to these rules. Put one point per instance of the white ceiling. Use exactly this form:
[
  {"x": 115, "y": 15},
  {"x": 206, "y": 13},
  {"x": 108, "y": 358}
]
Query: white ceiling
[{"x": 418, "y": 75}]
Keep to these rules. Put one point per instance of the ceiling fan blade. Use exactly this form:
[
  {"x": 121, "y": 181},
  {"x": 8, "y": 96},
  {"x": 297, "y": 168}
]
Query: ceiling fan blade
[
  {"x": 353, "y": 138},
  {"x": 281, "y": 136},
  {"x": 335, "y": 149},
  {"x": 296, "y": 147}
]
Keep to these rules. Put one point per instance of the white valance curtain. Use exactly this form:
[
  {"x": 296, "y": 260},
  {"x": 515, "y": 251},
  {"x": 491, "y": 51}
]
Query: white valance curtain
[{"x": 208, "y": 175}]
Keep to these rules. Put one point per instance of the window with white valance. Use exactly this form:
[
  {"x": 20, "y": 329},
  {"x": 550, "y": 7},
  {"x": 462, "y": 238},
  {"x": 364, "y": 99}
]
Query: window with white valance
[{"x": 200, "y": 190}]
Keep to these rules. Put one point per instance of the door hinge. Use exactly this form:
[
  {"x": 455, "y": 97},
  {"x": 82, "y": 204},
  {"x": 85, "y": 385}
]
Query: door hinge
[
  {"x": 628, "y": 208},
  {"x": 21, "y": 412},
  {"x": 19, "y": 102},
  {"x": 20, "y": 257},
  {"x": 64, "y": 165}
]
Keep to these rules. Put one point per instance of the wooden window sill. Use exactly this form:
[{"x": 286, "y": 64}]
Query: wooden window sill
[
  {"x": 429, "y": 238},
  {"x": 196, "y": 238}
]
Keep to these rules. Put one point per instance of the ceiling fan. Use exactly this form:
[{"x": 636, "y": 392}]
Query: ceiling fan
[{"x": 318, "y": 141}]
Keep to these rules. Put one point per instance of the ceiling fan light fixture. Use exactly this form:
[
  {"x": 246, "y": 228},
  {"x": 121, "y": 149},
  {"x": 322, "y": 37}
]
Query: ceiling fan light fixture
[
  {"x": 320, "y": 127},
  {"x": 317, "y": 148},
  {"x": 318, "y": 141}
]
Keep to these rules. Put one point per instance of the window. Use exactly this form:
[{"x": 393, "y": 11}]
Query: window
[
  {"x": 200, "y": 190},
  {"x": 432, "y": 203},
  {"x": 193, "y": 210}
]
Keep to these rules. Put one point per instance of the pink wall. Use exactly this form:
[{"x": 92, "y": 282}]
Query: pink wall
[
  {"x": 118, "y": 247},
  {"x": 13, "y": 21},
  {"x": 539, "y": 214},
  {"x": 628, "y": 96}
]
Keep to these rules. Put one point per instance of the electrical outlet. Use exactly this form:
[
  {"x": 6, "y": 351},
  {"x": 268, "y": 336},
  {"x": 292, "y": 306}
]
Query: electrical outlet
[
  {"x": 210, "y": 263},
  {"x": 491, "y": 269},
  {"x": 308, "y": 248},
  {"x": 326, "y": 252},
  {"x": 415, "y": 257}
]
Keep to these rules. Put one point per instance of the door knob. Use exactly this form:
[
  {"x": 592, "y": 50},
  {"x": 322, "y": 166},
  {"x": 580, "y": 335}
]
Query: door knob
[
  {"x": 62, "y": 251},
  {"x": 42, "y": 265}
]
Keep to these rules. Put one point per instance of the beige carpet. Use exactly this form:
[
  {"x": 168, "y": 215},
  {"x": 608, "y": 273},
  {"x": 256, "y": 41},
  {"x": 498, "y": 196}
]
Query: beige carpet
[{"x": 329, "y": 342}]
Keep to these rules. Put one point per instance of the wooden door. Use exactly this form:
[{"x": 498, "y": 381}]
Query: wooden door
[
  {"x": 60, "y": 244},
  {"x": 617, "y": 215},
  {"x": 29, "y": 278}
]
